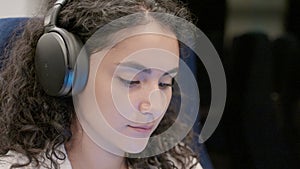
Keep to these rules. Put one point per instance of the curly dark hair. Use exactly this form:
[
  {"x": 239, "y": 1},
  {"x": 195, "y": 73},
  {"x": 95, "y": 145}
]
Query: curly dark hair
[{"x": 35, "y": 124}]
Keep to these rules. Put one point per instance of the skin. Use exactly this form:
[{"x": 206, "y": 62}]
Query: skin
[{"x": 130, "y": 100}]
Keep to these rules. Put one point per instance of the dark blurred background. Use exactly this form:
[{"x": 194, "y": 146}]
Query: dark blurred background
[{"x": 258, "y": 43}]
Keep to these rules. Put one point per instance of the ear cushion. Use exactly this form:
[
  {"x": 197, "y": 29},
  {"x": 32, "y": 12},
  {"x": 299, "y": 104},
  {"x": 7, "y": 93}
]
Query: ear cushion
[{"x": 55, "y": 60}]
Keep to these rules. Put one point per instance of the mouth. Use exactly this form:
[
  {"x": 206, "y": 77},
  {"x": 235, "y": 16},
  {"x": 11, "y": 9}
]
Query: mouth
[{"x": 142, "y": 128}]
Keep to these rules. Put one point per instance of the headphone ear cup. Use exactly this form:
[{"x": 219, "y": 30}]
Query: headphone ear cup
[
  {"x": 81, "y": 72},
  {"x": 55, "y": 59},
  {"x": 77, "y": 59},
  {"x": 51, "y": 63}
]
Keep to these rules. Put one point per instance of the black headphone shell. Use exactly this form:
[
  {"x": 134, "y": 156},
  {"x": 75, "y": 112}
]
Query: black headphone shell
[{"x": 56, "y": 60}]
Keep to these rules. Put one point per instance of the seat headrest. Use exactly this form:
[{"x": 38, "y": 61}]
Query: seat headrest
[{"x": 8, "y": 26}]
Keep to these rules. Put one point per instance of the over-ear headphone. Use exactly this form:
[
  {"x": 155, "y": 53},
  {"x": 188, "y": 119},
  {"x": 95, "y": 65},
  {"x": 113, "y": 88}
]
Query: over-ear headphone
[{"x": 61, "y": 62}]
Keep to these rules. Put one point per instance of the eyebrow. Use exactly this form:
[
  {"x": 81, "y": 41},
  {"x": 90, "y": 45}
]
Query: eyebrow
[{"x": 142, "y": 68}]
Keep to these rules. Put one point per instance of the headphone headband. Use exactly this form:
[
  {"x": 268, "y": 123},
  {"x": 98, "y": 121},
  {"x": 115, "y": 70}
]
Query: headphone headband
[
  {"x": 51, "y": 17},
  {"x": 61, "y": 2}
]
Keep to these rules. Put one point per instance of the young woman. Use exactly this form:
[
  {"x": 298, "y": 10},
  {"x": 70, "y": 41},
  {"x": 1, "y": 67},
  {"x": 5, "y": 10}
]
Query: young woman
[{"x": 121, "y": 82}]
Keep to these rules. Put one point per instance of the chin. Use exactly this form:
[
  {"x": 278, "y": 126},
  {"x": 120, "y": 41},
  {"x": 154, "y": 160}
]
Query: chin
[{"x": 135, "y": 145}]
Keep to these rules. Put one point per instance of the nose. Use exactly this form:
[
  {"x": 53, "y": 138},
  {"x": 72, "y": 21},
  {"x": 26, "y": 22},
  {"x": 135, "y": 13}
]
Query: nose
[
  {"x": 145, "y": 106},
  {"x": 145, "y": 103},
  {"x": 152, "y": 101}
]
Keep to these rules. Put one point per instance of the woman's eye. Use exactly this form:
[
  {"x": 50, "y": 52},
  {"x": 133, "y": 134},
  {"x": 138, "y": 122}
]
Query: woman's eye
[
  {"x": 129, "y": 83},
  {"x": 168, "y": 83},
  {"x": 165, "y": 85}
]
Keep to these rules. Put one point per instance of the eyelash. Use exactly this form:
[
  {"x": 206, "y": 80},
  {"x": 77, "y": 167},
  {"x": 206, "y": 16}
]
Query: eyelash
[
  {"x": 130, "y": 83},
  {"x": 165, "y": 85}
]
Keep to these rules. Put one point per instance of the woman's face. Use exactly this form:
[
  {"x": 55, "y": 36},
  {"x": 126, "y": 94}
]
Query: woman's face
[
  {"x": 133, "y": 88},
  {"x": 134, "y": 83}
]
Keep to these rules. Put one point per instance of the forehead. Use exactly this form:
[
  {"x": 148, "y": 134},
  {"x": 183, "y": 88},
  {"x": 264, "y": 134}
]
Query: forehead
[
  {"x": 147, "y": 41},
  {"x": 150, "y": 50}
]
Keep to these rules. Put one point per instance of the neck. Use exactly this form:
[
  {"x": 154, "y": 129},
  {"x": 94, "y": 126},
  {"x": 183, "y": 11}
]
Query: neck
[{"x": 84, "y": 153}]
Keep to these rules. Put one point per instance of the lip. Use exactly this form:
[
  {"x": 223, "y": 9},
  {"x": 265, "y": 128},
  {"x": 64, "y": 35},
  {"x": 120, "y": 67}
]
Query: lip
[{"x": 142, "y": 128}]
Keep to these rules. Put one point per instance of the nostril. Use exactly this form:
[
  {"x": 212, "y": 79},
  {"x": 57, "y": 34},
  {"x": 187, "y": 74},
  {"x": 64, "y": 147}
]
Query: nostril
[{"x": 145, "y": 107}]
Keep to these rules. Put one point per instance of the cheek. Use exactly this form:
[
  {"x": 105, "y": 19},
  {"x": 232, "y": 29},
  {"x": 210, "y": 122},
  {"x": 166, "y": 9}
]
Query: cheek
[
  {"x": 107, "y": 105},
  {"x": 102, "y": 89},
  {"x": 168, "y": 93},
  {"x": 103, "y": 94}
]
